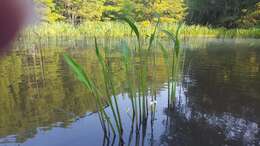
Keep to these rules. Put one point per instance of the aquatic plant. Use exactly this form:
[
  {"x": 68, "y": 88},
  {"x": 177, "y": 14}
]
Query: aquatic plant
[
  {"x": 136, "y": 67},
  {"x": 108, "y": 82},
  {"x": 174, "y": 63},
  {"x": 87, "y": 82}
]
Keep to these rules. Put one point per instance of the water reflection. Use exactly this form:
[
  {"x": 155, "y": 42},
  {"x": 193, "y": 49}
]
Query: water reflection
[
  {"x": 218, "y": 101},
  {"x": 190, "y": 126},
  {"x": 41, "y": 102}
]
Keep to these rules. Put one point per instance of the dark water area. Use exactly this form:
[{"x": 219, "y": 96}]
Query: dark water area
[{"x": 217, "y": 102}]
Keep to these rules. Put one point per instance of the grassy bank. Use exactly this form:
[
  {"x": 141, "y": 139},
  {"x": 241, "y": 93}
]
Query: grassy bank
[{"x": 117, "y": 29}]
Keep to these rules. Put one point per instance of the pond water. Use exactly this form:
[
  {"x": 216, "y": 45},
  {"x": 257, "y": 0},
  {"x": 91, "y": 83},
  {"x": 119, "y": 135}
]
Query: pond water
[{"x": 217, "y": 102}]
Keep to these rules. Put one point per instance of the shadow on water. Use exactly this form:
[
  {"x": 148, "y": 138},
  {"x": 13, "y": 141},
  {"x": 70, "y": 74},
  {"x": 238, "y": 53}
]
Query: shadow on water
[{"x": 217, "y": 103}]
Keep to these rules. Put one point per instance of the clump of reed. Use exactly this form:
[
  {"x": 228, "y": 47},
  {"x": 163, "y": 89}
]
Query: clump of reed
[
  {"x": 135, "y": 62},
  {"x": 174, "y": 60},
  {"x": 61, "y": 30}
]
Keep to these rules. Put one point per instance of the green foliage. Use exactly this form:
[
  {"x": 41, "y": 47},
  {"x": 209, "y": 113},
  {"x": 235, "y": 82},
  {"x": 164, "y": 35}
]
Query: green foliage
[
  {"x": 61, "y": 31},
  {"x": 46, "y": 10},
  {"x": 168, "y": 10},
  {"x": 79, "y": 72},
  {"x": 78, "y": 11},
  {"x": 83, "y": 77},
  {"x": 251, "y": 17},
  {"x": 133, "y": 28},
  {"x": 152, "y": 37},
  {"x": 175, "y": 66},
  {"x": 108, "y": 81},
  {"x": 218, "y": 12}
]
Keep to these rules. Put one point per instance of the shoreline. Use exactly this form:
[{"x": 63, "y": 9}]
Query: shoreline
[{"x": 118, "y": 29}]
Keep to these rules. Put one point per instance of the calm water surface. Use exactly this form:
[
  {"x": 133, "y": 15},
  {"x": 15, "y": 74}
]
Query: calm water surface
[{"x": 217, "y": 103}]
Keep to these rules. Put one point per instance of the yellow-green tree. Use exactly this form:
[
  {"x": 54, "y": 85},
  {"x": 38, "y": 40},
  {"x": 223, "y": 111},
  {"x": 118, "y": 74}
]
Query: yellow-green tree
[
  {"x": 251, "y": 17},
  {"x": 46, "y": 10},
  {"x": 168, "y": 10},
  {"x": 77, "y": 11}
]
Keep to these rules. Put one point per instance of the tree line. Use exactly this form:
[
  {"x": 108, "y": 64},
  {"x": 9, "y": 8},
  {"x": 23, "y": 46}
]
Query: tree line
[{"x": 216, "y": 13}]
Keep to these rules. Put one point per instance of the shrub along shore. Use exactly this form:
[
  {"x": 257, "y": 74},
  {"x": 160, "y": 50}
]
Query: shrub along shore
[{"x": 118, "y": 29}]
